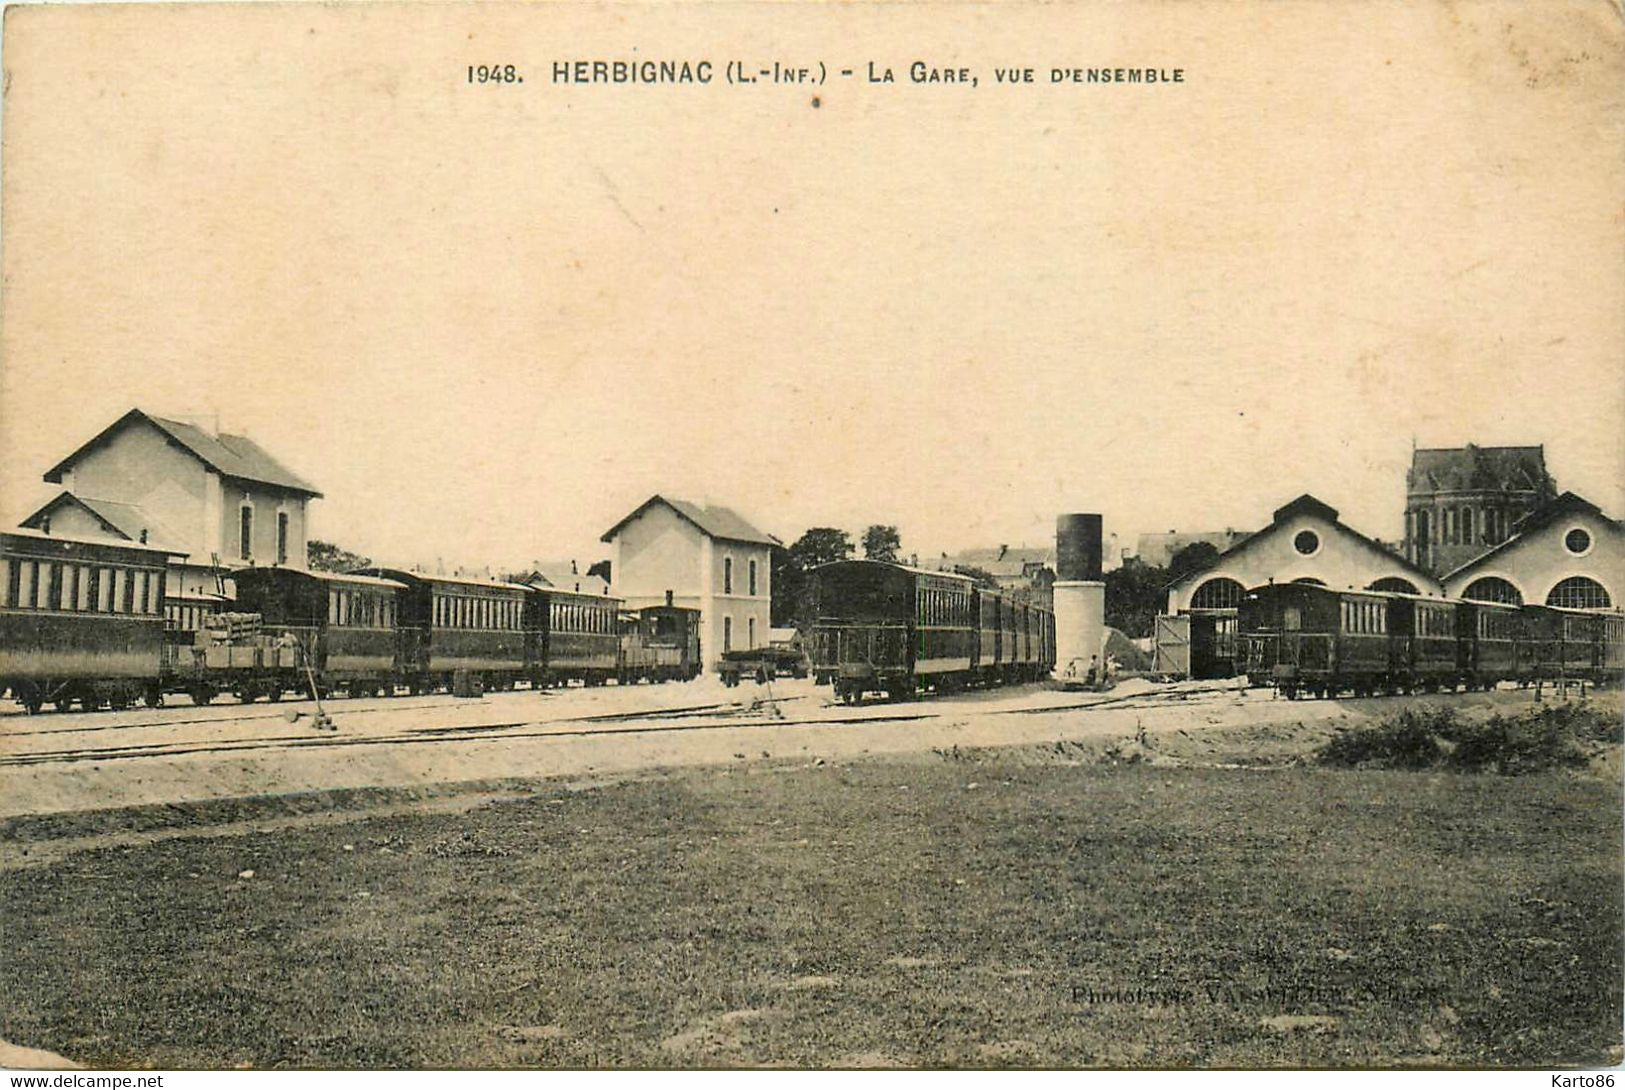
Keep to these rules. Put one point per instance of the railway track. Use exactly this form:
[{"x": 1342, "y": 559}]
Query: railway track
[{"x": 710, "y": 716}]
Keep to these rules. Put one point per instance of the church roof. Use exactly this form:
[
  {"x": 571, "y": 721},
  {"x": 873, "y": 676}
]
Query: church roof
[{"x": 1479, "y": 469}]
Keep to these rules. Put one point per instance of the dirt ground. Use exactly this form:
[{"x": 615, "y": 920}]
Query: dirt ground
[
  {"x": 56, "y": 763},
  {"x": 73, "y": 782}
]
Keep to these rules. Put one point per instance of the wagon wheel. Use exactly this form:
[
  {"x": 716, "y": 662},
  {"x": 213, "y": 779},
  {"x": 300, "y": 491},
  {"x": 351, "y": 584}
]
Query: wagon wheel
[
  {"x": 274, "y": 693},
  {"x": 153, "y": 697},
  {"x": 31, "y": 699}
]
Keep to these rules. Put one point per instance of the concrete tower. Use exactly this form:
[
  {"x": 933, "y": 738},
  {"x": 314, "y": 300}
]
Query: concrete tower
[{"x": 1080, "y": 597}]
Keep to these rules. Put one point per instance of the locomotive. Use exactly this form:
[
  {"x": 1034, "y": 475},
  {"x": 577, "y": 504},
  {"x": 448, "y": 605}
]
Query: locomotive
[
  {"x": 885, "y": 627},
  {"x": 84, "y": 622},
  {"x": 1304, "y": 638}
]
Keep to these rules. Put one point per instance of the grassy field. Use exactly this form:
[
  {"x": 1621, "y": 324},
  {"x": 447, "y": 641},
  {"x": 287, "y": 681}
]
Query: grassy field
[{"x": 929, "y": 912}]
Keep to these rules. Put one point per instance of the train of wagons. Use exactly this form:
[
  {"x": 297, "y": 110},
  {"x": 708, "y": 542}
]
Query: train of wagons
[
  {"x": 83, "y": 623},
  {"x": 886, "y": 628},
  {"x": 1312, "y": 640}
]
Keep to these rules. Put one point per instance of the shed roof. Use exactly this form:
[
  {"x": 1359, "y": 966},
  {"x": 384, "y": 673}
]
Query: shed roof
[
  {"x": 1566, "y": 505},
  {"x": 1310, "y": 506},
  {"x": 403, "y": 577},
  {"x": 234, "y": 456},
  {"x": 723, "y": 523}
]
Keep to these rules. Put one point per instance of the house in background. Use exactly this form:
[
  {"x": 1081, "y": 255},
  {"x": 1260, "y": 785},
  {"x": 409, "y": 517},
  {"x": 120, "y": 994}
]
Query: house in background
[
  {"x": 220, "y": 499},
  {"x": 1159, "y": 550},
  {"x": 1024, "y": 572},
  {"x": 562, "y": 575},
  {"x": 706, "y": 558}
]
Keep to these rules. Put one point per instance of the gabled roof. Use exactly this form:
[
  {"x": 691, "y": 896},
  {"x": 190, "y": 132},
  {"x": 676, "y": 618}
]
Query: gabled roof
[
  {"x": 1309, "y": 506},
  {"x": 234, "y": 456},
  {"x": 1001, "y": 562},
  {"x": 1473, "y": 468},
  {"x": 558, "y": 575},
  {"x": 40, "y": 535},
  {"x": 1568, "y": 504},
  {"x": 125, "y": 520},
  {"x": 722, "y": 523}
]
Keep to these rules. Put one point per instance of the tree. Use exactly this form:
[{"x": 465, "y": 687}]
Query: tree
[
  {"x": 601, "y": 570},
  {"x": 325, "y": 556},
  {"x": 1195, "y": 557},
  {"x": 881, "y": 543},
  {"x": 1135, "y": 594},
  {"x": 820, "y": 545},
  {"x": 791, "y": 584}
]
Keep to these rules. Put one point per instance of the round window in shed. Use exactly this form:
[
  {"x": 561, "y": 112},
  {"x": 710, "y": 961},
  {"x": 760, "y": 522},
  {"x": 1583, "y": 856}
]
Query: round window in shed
[
  {"x": 1577, "y": 541},
  {"x": 1307, "y": 542}
]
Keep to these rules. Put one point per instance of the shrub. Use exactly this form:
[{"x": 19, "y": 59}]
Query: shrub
[
  {"x": 1515, "y": 745},
  {"x": 1540, "y": 739},
  {"x": 1408, "y": 740}
]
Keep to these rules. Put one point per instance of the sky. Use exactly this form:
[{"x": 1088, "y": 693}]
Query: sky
[{"x": 488, "y": 321}]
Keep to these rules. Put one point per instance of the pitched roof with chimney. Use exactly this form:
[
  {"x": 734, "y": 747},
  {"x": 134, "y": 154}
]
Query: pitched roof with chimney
[
  {"x": 1479, "y": 469},
  {"x": 234, "y": 456},
  {"x": 1001, "y": 562},
  {"x": 722, "y": 523},
  {"x": 126, "y": 520},
  {"x": 563, "y": 575}
]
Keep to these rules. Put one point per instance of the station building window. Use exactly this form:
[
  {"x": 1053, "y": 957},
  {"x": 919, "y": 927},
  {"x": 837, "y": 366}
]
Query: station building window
[
  {"x": 1393, "y": 584},
  {"x": 753, "y": 577},
  {"x": 1577, "y": 541},
  {"x": 1221, "y": 593},
  {"x": 1579, "y": 592},
  {"x": 281, "y": 537},
  {"x": 245, "y": 532},
  {"x": 727, "y": 633},
  {"x": 727, "y": 575},
  {"x": 1307, "y": 542},
  {"x": 1493, "y": 589}
]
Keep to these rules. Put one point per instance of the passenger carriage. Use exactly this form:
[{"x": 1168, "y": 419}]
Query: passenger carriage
[
  {"x": 80, "y": 620},
  {"x": 885, "y": 627},
  {"x": 453, "y": 624},
  {"x": 890, "y": 628},
  {"x": 338, "y": 630},
  {"x": 1307, "y": 638},
  {"x": 574, "y": 636},
  {"x": 1589, "y": 642},
  {"x": 1427, "y": 645},
  {"x": 1489, "y": 642}
]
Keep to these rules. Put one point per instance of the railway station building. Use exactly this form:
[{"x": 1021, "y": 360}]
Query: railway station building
[
  {"x": 221, "y": 499},
  {"x": 1304, "y": 543},
  {"x": 700, "y": 556},
  {"x": 1565, "y": 553}
]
